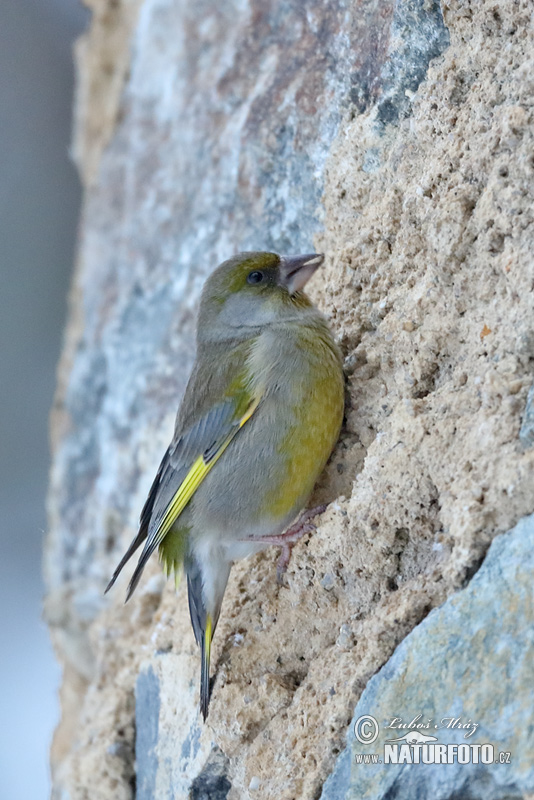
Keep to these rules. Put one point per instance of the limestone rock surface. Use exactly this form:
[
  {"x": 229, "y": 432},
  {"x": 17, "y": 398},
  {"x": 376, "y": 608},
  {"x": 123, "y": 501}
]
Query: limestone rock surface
[
  {"x": 469, "y": 663},
  {"x": 398, "y": 138}
]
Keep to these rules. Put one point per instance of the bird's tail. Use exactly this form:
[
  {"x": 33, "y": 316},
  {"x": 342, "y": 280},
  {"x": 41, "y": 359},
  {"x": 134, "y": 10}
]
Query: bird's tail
[
  {"x": 204, "y": 621},
  {"x": 205, "y": 649}
]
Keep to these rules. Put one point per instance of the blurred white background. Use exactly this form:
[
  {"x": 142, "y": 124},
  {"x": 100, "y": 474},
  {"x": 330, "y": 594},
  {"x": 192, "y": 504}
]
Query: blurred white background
[{"x": 39, "y": 207}]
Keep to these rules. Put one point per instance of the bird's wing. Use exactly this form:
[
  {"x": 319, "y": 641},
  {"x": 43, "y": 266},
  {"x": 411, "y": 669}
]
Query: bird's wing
[{"x": 191, "y": 455}]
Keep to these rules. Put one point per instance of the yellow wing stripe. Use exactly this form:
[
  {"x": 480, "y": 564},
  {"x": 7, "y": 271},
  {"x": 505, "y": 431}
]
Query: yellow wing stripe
[
  {"x": 195, "y": 476},
  {"x": 251, "y": 409}
]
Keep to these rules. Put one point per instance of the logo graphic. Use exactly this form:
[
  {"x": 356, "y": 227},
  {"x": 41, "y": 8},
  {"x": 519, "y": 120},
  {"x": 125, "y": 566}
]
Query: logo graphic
[
  {"x": 414, "y": 737},
  {"x": 416, "y": 747}
]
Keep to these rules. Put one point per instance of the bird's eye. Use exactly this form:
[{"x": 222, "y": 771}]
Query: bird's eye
[{"x": 255, "y": 277}]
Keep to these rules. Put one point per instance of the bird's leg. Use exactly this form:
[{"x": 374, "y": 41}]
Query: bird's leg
[{"x": 288, "y": 539}]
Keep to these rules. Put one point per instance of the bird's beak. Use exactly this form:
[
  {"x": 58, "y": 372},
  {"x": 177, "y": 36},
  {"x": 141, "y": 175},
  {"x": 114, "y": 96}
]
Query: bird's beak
[{"x": 296, "y": 271}]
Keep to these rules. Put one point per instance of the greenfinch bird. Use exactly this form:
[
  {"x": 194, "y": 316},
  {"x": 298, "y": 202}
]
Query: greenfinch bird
[{"x": 258, "y": 421}]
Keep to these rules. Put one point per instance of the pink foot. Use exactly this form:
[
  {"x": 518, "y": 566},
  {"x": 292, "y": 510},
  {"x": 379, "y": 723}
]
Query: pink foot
[{"x": 288, "y": 539}]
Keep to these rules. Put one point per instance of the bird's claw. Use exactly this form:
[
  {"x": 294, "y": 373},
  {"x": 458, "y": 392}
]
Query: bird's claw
[
  {"x": 289, "y": 538},
  {"x": 287, "y": 546}
]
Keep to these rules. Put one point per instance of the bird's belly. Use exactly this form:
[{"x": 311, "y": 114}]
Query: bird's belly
[
  {"x": 231, "y": 504},
  {"x": 265, "y": 476}
]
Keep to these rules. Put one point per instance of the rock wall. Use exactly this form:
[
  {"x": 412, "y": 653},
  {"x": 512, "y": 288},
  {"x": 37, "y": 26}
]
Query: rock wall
[
  {"x": 397, "y": 138},
  {"x": 482, "y": 631}
]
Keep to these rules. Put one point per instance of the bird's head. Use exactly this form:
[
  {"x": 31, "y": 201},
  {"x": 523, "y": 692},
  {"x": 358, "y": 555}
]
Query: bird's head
[{"x": 252, "y": 290}]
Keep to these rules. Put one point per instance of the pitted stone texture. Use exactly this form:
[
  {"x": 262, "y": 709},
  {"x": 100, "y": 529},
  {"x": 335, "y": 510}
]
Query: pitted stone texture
[{"x": 472, "y": 661}]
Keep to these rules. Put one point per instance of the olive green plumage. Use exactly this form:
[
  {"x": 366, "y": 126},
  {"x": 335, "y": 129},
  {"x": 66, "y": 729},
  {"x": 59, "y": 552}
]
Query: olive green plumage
[{"x": 259, "y": 418}]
